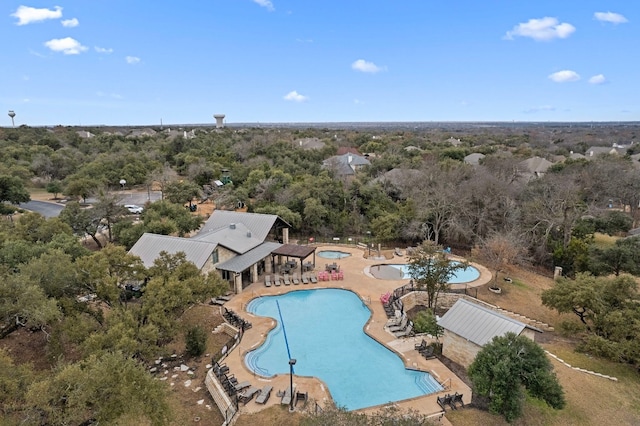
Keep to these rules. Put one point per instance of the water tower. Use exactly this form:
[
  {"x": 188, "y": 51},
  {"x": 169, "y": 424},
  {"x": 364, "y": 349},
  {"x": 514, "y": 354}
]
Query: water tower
[
  {"x": 12, "y": 114},
  {"x": 219, "y": 120}
]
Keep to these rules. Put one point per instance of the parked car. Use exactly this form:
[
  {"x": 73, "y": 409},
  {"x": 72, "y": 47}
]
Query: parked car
[{"x": 133, "y": 208}]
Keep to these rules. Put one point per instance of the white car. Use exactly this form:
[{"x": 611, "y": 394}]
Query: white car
[{"x": 133, "y": 208}]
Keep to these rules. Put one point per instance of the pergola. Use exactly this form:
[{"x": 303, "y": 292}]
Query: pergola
[{"x": 296, "y": 251}]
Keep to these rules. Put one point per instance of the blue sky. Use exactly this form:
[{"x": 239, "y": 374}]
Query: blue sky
[{"x": 79, "y": 62}]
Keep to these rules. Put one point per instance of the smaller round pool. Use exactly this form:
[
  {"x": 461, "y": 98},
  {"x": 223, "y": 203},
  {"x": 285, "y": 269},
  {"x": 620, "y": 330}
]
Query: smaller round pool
[
  {"x": 401, "y": 271},
  {"x": 333, "y": 254}
]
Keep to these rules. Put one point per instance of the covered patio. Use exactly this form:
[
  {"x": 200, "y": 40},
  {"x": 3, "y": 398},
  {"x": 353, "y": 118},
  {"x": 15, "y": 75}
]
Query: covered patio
[{"x": 288, "y": 251}]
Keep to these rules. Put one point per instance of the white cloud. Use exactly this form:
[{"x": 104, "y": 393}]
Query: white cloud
[
  {"x": 103, "y": 49},
  {"x": 543, "y": 29},
  {"x": 67, "y": 45},
  {"x": 295, "y": 97},
  {"x": 27, "y": 15},
  {"x": 132, "y": 59},
  {"x": 109, "y": 95},
  {"x": 614, "y": 18},
  {"x": 70, "y": 23},
  {"x": 598, "y": 79},
  {"x": 564, "y": 76},
  {"x": 364, "y": 66},
  {"x": 266, "y": 4}
]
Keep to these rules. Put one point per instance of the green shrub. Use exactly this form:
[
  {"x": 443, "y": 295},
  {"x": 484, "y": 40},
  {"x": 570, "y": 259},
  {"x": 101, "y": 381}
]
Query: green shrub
[{"x": 196, "y": 341}]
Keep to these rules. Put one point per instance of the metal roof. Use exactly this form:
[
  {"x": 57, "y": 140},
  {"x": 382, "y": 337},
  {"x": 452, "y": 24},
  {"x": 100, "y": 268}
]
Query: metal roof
[
  {"x": 295, "y": 250},
  {"x": 258, "y": 224},
  {"x": 477, "y": 323},
  {"x": 240, "y": 263},
  {"x": 149, "y": 246},
  {"x": 235, "y": 236}
]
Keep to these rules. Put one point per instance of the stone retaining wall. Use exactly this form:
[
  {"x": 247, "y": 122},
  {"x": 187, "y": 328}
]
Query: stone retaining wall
[{"x": 220, "y": 397}]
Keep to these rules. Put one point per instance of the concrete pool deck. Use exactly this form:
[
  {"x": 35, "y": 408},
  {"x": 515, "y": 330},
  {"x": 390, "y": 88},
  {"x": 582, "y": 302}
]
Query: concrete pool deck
[{"x": 357, "y": 279}]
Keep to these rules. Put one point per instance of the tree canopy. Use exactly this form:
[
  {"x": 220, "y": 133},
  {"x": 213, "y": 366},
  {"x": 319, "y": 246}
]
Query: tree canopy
[{"x": 507, "y": 367}]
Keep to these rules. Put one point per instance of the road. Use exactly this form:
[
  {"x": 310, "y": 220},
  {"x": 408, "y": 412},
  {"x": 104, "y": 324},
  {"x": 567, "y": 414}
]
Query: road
[{"x": 45, "y": 209}]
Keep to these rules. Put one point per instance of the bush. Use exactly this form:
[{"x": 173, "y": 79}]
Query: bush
[{"x": 196, "y": 341}]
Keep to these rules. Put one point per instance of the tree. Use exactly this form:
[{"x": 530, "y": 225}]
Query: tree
[
  {"x": 54, "y": 187},
  {"x": 507, "y": 366},
  {"x": 499, "y": 251},
  {"x": 392, "y": 416},
  {"x": 12, "y": 190},
  {"x": 81, "y": 187},
  {"x": 181, "y": 192},
  {"x": 426, "y": 322},
  {"x": 106, "y": 388},
  {"x": 431, "y": 270},
  {"x": 196, "y": 341},
  {"x": 83, "y": 221}
]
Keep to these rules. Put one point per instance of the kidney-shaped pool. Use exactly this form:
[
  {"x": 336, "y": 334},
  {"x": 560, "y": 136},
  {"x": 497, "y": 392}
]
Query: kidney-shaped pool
[{"x": 324, "y": 333}]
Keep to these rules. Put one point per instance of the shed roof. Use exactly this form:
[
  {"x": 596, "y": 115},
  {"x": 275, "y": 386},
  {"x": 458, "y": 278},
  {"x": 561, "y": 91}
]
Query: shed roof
[
  {"x": 479, "y": 324},
  {"x": 149, "y": 246},
  {"x": 240, "y": 263}
]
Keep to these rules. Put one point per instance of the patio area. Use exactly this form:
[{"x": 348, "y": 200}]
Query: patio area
[{"x": 357, "y": 278}]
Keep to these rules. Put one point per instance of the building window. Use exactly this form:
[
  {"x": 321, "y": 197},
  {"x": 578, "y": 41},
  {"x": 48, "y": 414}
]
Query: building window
[{"x": 215, "y": 256}]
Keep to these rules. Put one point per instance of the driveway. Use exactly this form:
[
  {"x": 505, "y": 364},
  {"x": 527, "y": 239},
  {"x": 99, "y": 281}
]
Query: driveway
[{"x": 46, "y": 209}]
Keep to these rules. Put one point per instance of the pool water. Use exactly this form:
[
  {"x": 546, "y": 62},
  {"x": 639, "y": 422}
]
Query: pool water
[
  {"x": 333, "y": 254},
  {"x": 460, "y": 276},
  {"x": 324, "y": 331}
]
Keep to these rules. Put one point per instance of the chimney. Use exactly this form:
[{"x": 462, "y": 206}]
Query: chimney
[
  {"x": 232, "y": 226},
  {"x": 349, "y": 158},
  {"x": 248, "y": 234}
]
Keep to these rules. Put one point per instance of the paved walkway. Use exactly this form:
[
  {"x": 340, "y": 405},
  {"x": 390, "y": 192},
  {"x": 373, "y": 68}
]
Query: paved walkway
[{"x": 358, "y": 279}]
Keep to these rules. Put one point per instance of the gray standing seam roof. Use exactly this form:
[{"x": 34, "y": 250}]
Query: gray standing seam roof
[
  {"x": 235, "y": 237},
  {"x": 258, "y": 224},
  {"x": 149, "y": 246},
  {"x": 240, "y": 263},
  {"x": 477, "y": 323}
]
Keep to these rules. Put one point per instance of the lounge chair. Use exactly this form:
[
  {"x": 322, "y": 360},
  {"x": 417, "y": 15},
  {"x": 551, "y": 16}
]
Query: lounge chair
[
  {"x": 305, "y": 279},
  {"x": 314, "y": 279},
  {"x": 242, "y": 385},
  {"x": 401, "y": 326},
  {"x": 286, "y": 396},
  {"x": 267, "y": 281},
  {"x": 457, "y": 399},
  {"x": 295, "y": 279},
  {"x": 276, "y": 280},
  {"x": 422, "y": 346},
  {"x": 287, "y": 281},
  {"x": 248, "y": 394},
  {"x": 443, "y": 401},
  {"x": 398, "y": 252},
  {"x": 300, "y": 396},
  {"x": 406, "y": 332},
  {"x": 265, "y": 393},
  {"x": 428, "y": 352}
]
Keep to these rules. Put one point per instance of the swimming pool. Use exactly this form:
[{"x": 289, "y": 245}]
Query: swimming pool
[
  {"x": 324, "y": 329},
  {"x": 384, "y": 272},
  {"x": 333, "y": 254}
]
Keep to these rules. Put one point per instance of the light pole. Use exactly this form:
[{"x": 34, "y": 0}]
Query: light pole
[
  {"x": 369, "y": 242},
  {"x": 292, "y": 362}
]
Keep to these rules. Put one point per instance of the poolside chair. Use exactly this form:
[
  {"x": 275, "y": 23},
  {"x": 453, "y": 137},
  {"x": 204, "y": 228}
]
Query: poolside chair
[
  {"x": 334, "y": 276},
  {"x": 443, "y": 401},
  {"x": 457, "y": 399},
  {"x": 286, "y": 396},
  {"x": 248, "y": 394},
  {"x": 401, "y": 326},
  {"x": 276, "y": 280},
  {"x": 242, "y": 385},
  {"x": 267, "y": 281},
  {"x": 300, "y": 396},
  {"x": 406, "y": 332},
  {"x": 341, "y": 275},
  {"x": 265, "y": 393},
  {"x": 423, "y": 345},
  {"x": 314, "y": 279},
  {"x": 428, "y": 352},
  {"x": 305, "y": 279},
  {"x": 295, "y": 279},
  {"x": 287, "y": 281}
]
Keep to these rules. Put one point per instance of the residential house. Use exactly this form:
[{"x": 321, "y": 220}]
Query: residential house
[
  {"x": 346, "y": 166},
  {"x": 469, "y": 326},
  {"x": 533, "y": 167},
  {"x": 473, "y": 159}
]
